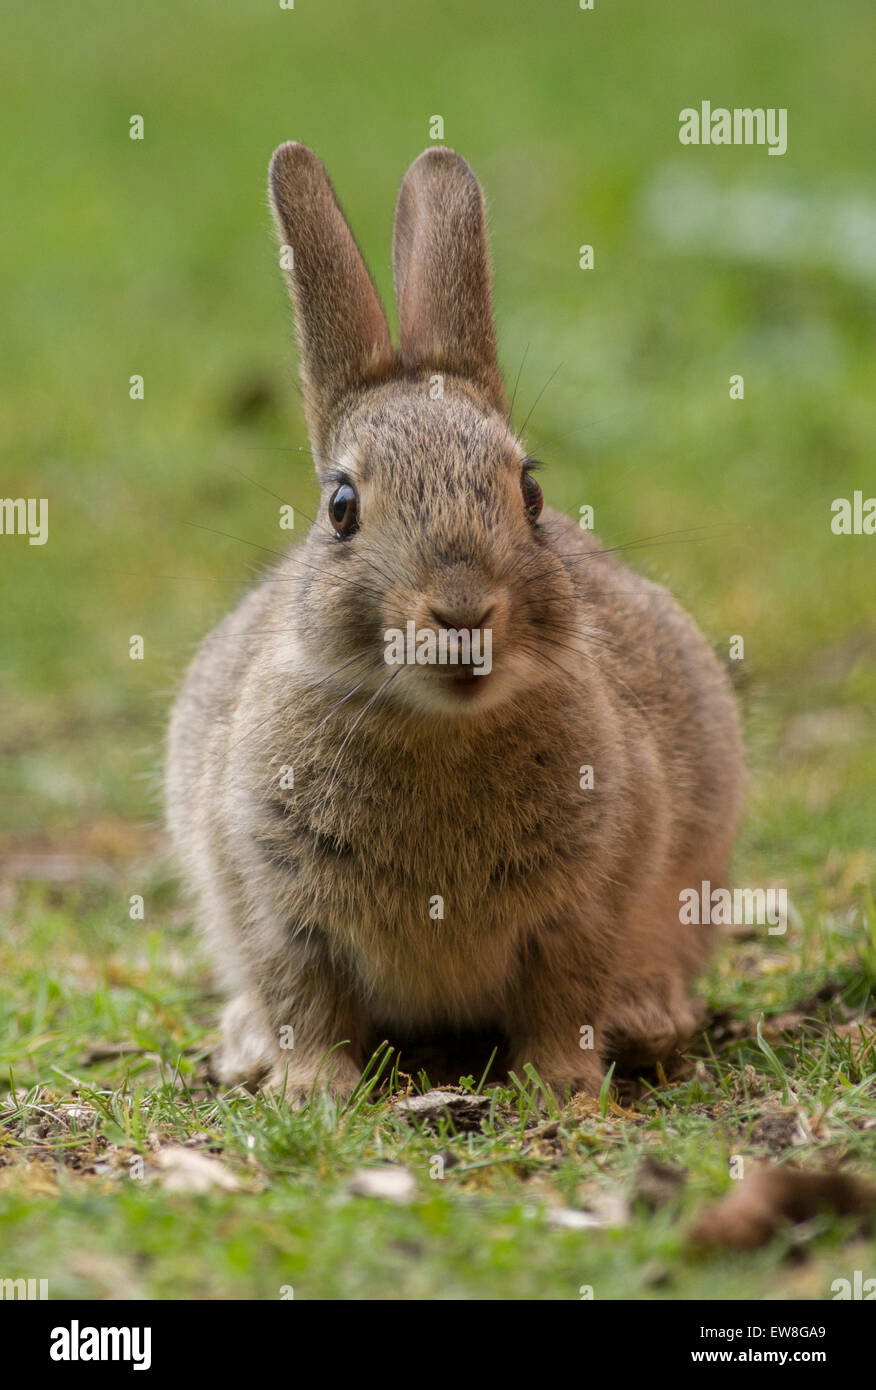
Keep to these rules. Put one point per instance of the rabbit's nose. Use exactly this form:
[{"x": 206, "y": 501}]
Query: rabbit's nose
[{"x": 461, "y": 618}]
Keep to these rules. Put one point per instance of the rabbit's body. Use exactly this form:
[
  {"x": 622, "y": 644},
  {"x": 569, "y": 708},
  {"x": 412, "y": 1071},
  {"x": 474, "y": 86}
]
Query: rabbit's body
[{"x": 378, "y": 846}]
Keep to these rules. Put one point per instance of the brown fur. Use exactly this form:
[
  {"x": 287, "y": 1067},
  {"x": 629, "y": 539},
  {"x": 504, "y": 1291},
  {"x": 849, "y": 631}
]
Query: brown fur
[{"x": 560, "y": 905}]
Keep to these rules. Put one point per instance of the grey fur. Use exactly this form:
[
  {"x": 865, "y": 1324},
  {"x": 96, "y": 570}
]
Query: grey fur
[{"x": 560, "y": 905}]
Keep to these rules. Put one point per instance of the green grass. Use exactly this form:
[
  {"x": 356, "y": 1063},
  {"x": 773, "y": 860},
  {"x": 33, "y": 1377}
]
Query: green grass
[
  {"x": 156, "y": 257},
  {"x": 74, "y": 1209}
]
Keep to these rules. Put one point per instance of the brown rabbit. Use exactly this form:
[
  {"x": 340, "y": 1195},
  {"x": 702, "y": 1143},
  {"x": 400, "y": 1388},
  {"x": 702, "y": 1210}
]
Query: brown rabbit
[{"x": 415, "y": 846}]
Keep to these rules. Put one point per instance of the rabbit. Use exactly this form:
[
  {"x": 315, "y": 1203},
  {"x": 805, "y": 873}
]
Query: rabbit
[{"x": 420, "y": 846}]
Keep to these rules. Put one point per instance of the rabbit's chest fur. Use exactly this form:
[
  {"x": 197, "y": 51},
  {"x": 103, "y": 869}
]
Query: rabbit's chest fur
[{"x": 425, "y": 865}]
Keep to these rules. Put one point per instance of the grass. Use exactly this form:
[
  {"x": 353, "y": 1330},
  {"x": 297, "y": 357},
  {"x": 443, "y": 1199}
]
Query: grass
[{"x": 155, "y": 257}]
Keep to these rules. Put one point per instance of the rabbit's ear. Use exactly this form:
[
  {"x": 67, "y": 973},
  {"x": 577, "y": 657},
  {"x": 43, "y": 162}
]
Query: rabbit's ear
[
  {"x": 441, "y": 269},
  {"x": 342, "y": 331}
]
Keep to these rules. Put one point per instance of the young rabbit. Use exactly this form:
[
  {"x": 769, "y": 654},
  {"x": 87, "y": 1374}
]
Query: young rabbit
[{"x": 420, "y": 847}]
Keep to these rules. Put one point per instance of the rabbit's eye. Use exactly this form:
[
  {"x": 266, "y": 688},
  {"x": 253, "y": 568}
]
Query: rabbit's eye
[
  {"x": 532, "y": 498},
  {"x": 344, "y": 510}
]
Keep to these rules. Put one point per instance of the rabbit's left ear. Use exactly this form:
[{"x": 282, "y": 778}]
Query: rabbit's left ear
[{"x": 441, "y": 270}]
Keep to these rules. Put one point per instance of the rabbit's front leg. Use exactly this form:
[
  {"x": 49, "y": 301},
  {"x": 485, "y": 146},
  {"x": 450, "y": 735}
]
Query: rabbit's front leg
[
  {"x": 297, "y": 1025},
  {"x": 556, "y": 1021}
]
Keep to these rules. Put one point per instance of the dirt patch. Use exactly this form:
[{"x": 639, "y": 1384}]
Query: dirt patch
[
  {"x": 777, "y": 1128},
  {"x": 657, "y": 1183}
]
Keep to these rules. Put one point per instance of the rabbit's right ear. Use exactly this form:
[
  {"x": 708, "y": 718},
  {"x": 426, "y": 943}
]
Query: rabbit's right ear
[{"x": 343, "y": 336}]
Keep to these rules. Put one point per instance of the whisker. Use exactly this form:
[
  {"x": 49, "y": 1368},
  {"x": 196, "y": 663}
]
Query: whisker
[
  {"x": 242, "y": 539},
  {"x": 538, "y": 397},
  {"x": 364, "y": 710},
  {"x": 185, "y": 578},
  {"x": 717, "y": 527},
  {"x": 355, "y": 657},
  {"x": 382, "y": 574},
  {"x": 516, "y": 384},
  {"x": 350, "y": 693},
  {"x": 292, "y": 557},
  {"x": 682, "y": 536},
  {"x": 610, "y": 675},
  {"x": 258, "y": 728},
  {"x": 590, "y": 635}
]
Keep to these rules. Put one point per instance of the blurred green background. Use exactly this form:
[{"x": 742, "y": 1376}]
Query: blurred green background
[{"x": 157, "y": 257}]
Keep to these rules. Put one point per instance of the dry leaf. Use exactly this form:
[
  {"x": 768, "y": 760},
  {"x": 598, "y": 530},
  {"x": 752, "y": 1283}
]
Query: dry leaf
[
  {"x": 389, "y": 1182},
  {"x": 465, "y": 1110},
  {"x": 186, "y": 1170},
  {"x": 606, "y": 1211},
  {"x": 750, "y": 1216},
  {"x": 572, "y": 1220}
]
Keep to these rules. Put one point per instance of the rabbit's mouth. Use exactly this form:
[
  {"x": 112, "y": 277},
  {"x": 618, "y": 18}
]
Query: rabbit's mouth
[{"x": 465, "y": 683}]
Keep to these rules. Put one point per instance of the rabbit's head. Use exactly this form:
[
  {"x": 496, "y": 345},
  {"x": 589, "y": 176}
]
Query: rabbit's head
[{"x": 430, "y": 514}]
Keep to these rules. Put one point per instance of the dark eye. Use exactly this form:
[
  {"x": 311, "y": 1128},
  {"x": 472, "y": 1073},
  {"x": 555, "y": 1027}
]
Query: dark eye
[
  {"x": 344, "y": 509},
  {"x": 532, "y": 498}
]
